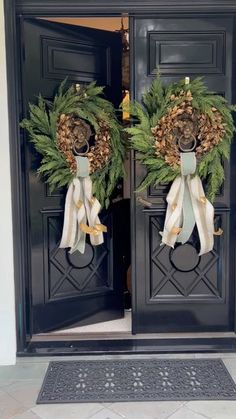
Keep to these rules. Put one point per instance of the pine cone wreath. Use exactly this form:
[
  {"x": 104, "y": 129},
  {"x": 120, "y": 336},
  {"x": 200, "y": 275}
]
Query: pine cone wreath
[
  {"x": 211, "y": 132},
  {"x": 99, "y": 153},
  {"x": 72, "y": 133},
  {"x": 185, "y": 122}
]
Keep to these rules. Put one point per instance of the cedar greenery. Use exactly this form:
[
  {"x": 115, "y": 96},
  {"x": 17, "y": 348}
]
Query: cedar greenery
[
  {"x": 88, "y": 104},
  {"x": 157, "y": 102}
]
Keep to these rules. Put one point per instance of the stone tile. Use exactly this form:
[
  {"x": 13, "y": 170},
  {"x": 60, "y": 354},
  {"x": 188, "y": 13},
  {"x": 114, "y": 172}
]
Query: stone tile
[
  {"x": 185, "y": 413},
  {"x": 144, "y": 410},
  {"x": 9, "y": 406},
  {"x": 26, "y": 415},
  {"x": 222, "y": 409},
  {"x": 46, "y": 360},
  {"x": 67, "y": 411},
  {"x": 26, "y": 392},
  {"x": 215, "y": 355},
  {"x": 230, "y": 364},
  {"x": 5, "y": 382},
  {"x": 28, "y": 371},
  {"x": 107, "y": 414}
]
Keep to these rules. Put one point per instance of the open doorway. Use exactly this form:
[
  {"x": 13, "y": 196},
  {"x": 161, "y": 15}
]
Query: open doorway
[{"x": 90, "y": 294}]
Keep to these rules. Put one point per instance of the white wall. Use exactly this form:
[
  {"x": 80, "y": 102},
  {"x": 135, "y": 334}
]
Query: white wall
[{"x": 7, "y": 303}]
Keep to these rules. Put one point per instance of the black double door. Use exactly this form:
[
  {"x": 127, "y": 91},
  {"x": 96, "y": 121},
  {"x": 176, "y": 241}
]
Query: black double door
[
  {"x": 67, "y": 289},
  {"x": 173, "y": 290},
  {"x": 176, "y": 290}
]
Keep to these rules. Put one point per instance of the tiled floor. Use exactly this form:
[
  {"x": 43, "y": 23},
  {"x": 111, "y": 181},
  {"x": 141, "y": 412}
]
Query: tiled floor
[{"x": 19, "y": 386}]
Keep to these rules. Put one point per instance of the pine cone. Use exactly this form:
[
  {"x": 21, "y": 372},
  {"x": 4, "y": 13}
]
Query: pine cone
[
  {"x": 72, "y": 133},
  {"x": 182, "y": 120},
  {"x": 211, "y": 132},
  {"x": 99, "y": 153}
]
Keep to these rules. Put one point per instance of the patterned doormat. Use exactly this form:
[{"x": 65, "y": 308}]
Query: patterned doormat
[{"x": 136, "y": 380}]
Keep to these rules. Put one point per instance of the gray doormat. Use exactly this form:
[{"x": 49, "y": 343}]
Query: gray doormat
[{"x": 136, "y": 380}]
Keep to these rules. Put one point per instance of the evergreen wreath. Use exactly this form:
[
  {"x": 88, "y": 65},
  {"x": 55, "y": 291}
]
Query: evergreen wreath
[
  {"x": 179, "y": 110},
  {"x": 58, "y": 127}
]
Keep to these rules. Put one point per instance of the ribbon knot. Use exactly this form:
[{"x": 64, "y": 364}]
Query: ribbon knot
[
  {"x": 187, "y": 206},
  {"x": 81, "y": 212}
]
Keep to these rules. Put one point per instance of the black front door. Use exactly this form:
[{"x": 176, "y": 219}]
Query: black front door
[
  {"x": 176, "y": 290},
  {"x": 67, "y": 288}
]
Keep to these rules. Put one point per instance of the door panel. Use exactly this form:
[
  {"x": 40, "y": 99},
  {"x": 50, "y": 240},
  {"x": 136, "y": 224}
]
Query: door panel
[
  {"x": 54, "y": 51},
  {"x": 176, "y": 290},
  {"x": 68, "y": 288}
]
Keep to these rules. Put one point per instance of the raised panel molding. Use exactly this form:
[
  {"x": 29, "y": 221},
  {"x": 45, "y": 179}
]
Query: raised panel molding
[
  {"x": 58, "y": 52},
  {"x": 158, "y": 191},
  {"x": 106, "y": 7},
  {"x": 180, "y": 274},
  {"x": 59, "y": 193},
  {"x": 177, "y": 53},
  {"x": 66, "y": 275}
]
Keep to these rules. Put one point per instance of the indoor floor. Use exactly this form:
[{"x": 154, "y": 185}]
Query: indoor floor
[
  {"x": 20, "y": 384},
  {"x": 122, "y": 325}
]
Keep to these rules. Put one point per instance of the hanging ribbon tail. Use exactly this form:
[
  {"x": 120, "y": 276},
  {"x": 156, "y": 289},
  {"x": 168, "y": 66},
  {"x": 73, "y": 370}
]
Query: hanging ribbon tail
[
  {"x": 81, "y": 212},
  {"x": 174, "y": 212},
  {"x": 187, "y": 206},
  {"x": 204, "y": 215},
  {"x": 78, "y": 198},
  {"x": 69, "y": 226},
  {"x": 93, "y": 208},
  {"x": 72, "y": 235}
]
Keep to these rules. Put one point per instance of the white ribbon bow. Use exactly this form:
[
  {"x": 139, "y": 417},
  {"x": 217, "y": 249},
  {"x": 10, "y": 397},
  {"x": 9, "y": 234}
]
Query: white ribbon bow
[
  {"x": 81, "y": 208},
  {"x": 187, "y": 206}
]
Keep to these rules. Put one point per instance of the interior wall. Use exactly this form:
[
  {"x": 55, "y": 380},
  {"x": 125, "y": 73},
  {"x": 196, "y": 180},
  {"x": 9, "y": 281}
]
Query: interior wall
[
  {"x": 7, "y": 299},
  {"x": 108, "y": 23}
]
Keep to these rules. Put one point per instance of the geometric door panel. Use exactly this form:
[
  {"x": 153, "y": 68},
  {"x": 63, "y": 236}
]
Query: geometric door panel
[
  {"x": 181, "y": 273},
  {"x": 71, "y": 275},
  {"x": 176, "y": 290}
]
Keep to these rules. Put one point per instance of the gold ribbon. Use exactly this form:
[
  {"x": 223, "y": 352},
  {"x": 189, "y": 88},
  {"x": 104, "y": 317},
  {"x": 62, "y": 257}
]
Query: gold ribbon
[{"x": 98, "y": 228}]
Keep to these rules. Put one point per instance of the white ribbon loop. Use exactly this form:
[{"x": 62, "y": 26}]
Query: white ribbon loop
[
  {"x": 187, "y": 206},
  {"x": 81, "y": 207}
]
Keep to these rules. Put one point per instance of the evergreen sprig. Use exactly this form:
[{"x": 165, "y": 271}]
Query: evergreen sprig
[
  {"x": 156, "y": 102},
  {"x": 86, "y": 103}
]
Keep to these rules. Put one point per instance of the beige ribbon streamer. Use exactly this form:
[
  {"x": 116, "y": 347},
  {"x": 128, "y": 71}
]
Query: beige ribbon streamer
[
  {"x": 93, "y": 208},
  {"x": 203, "y": 213},
  {"x": 81, "y": 207}
]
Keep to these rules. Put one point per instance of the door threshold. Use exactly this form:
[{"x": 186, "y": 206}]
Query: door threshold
[
  {"x": 46, "y": 345},
  {"x": 52, "y": 337}
]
